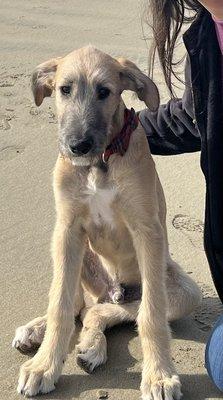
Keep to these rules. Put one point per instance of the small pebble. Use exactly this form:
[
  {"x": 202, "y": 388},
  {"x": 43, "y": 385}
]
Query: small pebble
[{"x": 102, "y": 394}]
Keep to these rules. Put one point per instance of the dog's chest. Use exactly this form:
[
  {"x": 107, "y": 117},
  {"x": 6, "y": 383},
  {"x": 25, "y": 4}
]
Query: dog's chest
[{"x": 100, "y": 199}]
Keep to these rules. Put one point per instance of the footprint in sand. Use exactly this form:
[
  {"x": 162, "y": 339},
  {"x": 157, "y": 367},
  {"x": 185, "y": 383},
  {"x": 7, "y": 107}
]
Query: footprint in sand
[
  {"x": 209, "y": 311},
  {"x": 4, "y": 124},
  {"x": 5, "y": 120},
  {"x": 9, "y": 152},
  {"x": 191, "y": 227},
  {"x": 7, "y": 80},
  {"x": 205, "y": 316}
]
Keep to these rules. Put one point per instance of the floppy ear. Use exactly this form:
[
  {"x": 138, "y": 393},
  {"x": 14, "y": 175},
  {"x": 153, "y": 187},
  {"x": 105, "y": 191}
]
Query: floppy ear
[
  {"x": 134, "y": 79},
  {"x": 43, "y": 80}
]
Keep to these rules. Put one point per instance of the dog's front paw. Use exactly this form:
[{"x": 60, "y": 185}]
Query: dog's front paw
[
  {"x": 92, "y": 350},
  {"x": 37, "y": 377},
  {"x": 161, "y": 388}
]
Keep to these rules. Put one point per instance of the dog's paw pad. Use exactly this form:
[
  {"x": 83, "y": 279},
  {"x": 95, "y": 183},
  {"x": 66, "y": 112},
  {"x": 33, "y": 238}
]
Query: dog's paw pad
[
  {"x": 92, "y": 351},
  {"x": 85, "y": 365},
  {"x": 26, "y": 340}
]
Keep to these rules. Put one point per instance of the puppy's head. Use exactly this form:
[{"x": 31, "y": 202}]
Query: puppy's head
[{"x": 88, "y": 86}]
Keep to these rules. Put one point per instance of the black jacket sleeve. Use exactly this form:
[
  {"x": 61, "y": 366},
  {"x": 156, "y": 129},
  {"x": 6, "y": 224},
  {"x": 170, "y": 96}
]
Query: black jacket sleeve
[{"x": 172, "y": 129}]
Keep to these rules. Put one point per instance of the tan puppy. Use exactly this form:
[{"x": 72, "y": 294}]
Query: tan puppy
[{"x": 110, "y": 232}]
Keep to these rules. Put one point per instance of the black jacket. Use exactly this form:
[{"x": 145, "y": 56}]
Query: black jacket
[{"x": 194, "y": 123}]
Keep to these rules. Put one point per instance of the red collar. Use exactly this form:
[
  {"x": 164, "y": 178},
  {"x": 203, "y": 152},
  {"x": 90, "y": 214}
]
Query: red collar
[{"x": 120, "y": 143}]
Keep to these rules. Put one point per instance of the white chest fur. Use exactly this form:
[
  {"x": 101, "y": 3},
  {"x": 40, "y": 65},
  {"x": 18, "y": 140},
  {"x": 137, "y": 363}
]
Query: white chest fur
[{"x": 99, "y": 201}]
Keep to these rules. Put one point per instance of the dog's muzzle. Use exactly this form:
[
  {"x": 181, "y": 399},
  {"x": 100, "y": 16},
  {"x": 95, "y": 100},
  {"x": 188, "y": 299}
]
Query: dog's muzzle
[{"x": 81, "y": 147}]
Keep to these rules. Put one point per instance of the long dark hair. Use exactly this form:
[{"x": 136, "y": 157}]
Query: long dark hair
[{"x": 166, "y": 18}]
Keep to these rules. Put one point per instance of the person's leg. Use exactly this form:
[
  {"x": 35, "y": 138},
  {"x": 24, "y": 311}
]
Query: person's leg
[{"x": 214, "y": 354}]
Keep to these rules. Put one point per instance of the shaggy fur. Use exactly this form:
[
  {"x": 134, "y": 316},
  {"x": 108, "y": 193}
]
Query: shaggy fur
[{"x": 110, "y": 230}]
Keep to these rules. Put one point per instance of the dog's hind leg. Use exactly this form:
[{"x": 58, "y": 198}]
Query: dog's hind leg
[
  {"x": 30, "y": 336},
  {"x": 182, "y": 292},
  {"x": 94, "y": 277},
  {"x": 92, "y": 349}
]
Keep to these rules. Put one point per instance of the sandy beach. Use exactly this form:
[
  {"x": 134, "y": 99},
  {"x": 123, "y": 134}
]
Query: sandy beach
[{"x": 30, "y": 33}]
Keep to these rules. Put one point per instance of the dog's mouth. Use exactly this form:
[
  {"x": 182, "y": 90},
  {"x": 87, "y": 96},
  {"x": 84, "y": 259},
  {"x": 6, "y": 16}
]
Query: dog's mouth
[
  {"x": 84, "y": 146},
  {"x": 88, "y": 147},
  {"x": 83, "y": 153}
]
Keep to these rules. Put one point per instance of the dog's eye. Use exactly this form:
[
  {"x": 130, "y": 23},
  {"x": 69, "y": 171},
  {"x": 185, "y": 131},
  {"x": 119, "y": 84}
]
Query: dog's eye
[
  {"x": 65, "y": 89},
  {"x": 103, "y": 93}
]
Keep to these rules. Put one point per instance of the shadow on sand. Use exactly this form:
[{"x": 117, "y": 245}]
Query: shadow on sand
[{"x": 118, "y": 373}]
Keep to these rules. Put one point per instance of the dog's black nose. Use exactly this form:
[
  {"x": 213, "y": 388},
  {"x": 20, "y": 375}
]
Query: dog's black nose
[{"x": 82, "y": 147}]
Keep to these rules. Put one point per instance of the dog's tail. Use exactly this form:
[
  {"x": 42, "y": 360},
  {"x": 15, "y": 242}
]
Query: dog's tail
[{"x": 183, "y": 293}]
